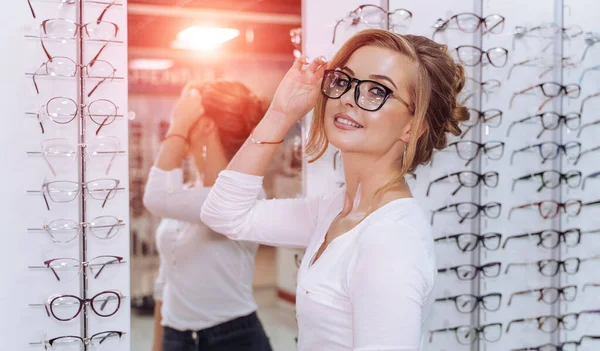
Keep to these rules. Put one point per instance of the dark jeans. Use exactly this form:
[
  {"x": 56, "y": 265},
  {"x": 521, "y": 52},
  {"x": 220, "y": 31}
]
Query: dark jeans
[{"x": 243, "y": 334}]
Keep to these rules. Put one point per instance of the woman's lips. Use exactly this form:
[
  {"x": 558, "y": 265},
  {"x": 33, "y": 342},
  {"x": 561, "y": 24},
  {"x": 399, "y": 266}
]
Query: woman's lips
[{"x": 343, "y": 121}]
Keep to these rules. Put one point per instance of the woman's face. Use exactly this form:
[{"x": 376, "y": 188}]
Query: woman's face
[{"x": 352, "y": 129}]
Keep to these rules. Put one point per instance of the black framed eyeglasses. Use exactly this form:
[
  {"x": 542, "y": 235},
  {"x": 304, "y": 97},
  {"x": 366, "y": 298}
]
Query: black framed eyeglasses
[
  {"x": 467, "y": 303},
  {"x": 552, "y": 238},
  {"x": 106, "y": 340},
  {"x": 552, "y": 179},
  {"x": 549, "y": 150},
  {"x": 563, "y": 346},
  {"x": 470, "y": 272},
  {"x": 470, "y": 241},
  {"x": 369, "y": 95},
  {"x": 551, "y": 267},
  {"x": 550, "y": 90},
  {"x": 471, "y": 56},
  {"x": 470, "y": 210},
  {"x": 467, "y": 335},
  {"x": 468, "y": 179},
  {"x": 550, "y": 121},
  {"x": 549, "y": 295},
  {"x": 550, "y": 324}
]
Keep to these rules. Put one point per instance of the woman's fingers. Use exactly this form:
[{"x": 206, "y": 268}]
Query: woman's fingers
[
  {"x": 316, "y": 64},
  {"x": 300, "y": 62}
]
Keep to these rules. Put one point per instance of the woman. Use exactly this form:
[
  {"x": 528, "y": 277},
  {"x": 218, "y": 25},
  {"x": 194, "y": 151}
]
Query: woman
[
  {"x": 204, "y": 290},
  {"x": 387, "y": 102}
]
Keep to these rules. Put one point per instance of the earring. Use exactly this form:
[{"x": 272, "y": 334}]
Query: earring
[
  {"x": 204, "y": 152},
  {"x": 404, "y": 157}
]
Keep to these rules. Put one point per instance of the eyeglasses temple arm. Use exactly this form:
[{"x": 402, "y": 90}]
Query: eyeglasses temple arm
[
  {"x": 585, "y": 125},
  {"x": 521, "y": 320},
  {"x": 46, "y": 200},
  {"x": 585, "y": 152},
  {"x": 104, "y": 11},
  {"x": 335, "y": 30},
  {"x": 93, "y": 61}
]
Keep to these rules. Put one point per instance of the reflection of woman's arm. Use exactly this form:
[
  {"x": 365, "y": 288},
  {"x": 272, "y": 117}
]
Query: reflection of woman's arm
[
  {"x": 232, "y": 209},
  {"x": 165, "y": 196}
]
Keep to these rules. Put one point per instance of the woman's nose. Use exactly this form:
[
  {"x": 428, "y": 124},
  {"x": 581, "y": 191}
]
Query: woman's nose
[{"x": 347, "y": 99}]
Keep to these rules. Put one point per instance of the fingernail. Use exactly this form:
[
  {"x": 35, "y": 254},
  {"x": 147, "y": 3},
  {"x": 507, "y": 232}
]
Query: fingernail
[
  {"x": 323, "y": 58},
  {"x": 194, "y": 92}
]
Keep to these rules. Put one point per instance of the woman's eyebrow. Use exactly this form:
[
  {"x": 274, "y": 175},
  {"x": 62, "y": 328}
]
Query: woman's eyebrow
[{"x": 372, "y": 76}]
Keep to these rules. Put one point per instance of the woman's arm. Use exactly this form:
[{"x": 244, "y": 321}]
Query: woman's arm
[
  {"x": 165, "y": 196},
  {"x": 389, "y": 278},
  {"x": 232, "y": 209}
]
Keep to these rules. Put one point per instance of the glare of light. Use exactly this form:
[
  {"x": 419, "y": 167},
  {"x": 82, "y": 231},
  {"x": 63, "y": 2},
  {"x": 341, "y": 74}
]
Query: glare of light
[
  {"x": 151, "y": 64},
  {"x": 204, "y": 38}
]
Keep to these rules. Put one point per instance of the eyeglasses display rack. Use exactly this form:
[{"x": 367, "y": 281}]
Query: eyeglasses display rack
[
  {"x": 67, "y": 256},
  {"x": 513, "y": 201}
]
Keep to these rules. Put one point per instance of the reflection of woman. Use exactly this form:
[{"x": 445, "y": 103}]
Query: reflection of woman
[
  {"x": 204, "y": 289},
  {"x": 386, "y": 103}
]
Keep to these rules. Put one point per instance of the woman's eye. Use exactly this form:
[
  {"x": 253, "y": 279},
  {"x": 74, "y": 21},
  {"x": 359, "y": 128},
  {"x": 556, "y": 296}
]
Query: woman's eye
[
  {"x": 343, "y": 83},
  {"x": 379, "y": 92}
]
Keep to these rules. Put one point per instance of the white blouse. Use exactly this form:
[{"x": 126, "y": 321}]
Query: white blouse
[
  {"x": 372, "y": 288},
  {"x": 204, "y": 279}
]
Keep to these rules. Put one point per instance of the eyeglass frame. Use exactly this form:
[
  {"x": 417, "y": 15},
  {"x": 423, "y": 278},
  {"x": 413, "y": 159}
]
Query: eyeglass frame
[
  {"x": 562, "y": 177},
  {"x": 80, "y": 227},
  {"x": 559, "y": 319},
  {"x": 481, "y": 118},
  {"x": 358, "y": 11},
  {"x": 480, "y": 178},
  {"x": 82, "y": 265},
  {"x": 476, "y": 268},
  {"x": 441, "y": 25},
  {"x": 388, "y": 92},
  {"x": 72, "y": 2},
  {"x": 559, "y": 347},
  {"x": 563, "y": 88},
  {"x": 478, "y": 301},
  {"x": 541, "y": 264},
  {"x": 80, "y": 147},
  {"x": 561, "y": 236},
  {"x": 79, "y": 188},
  {"x": 558, "y": 205},
  {"x": 84, "y": 341},
  {"x": 481, "y": 209},
  {"x": 479, "y": 330},
  {"x": 560, "y": 291},
  {"x": 480, "y": 146},
  {"x": 561, "y": 118},
  {"x": 83, "y": 303},
  {"x": 590, "y": 176},
  {"x": 559, "y": 147},
  {"x": 482, "y": 53},
  {"x": 479, "y": 239},
  {"x": 79, "y": 68}
]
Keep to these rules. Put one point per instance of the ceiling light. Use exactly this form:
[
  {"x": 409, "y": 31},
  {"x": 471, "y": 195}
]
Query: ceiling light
[
  {"x": 204, "y": 38},
  {"x": 151, "y": 64}
]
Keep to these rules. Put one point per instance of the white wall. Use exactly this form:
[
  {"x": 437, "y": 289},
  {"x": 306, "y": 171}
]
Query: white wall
[
  {"x": 317, "y": 18},
  {"x": 19, "y": 210}
]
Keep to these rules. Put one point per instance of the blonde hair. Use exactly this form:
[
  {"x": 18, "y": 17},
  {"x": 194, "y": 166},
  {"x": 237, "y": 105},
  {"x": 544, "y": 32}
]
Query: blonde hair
[{"x": 439, "y": 80}]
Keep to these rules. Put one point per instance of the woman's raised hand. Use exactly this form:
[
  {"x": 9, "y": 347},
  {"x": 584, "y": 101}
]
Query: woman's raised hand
[
  {"x": 188, "y": 109},
  {"x": 298, "y": 91}
]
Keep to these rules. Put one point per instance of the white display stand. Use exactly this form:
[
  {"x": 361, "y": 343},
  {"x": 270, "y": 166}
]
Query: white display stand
[
  {"x": 318, "y": 20},
  {"x": 28, "y": 245}
]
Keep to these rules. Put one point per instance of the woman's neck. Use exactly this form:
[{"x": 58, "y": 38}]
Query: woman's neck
[{"x": 365, "y": 175}]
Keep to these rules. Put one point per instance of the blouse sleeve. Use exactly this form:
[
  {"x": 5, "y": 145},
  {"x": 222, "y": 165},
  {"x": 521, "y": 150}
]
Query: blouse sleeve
[
  {"x": 166, "y": 196},
  {"x": 232, "y": 209},
  {"x": 159, "y": 284},
  {"x": 389, "y": 280}
]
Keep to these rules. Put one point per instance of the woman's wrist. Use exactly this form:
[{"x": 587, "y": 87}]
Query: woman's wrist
[{"x": 272, "y": 128}]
